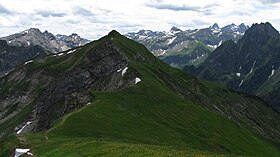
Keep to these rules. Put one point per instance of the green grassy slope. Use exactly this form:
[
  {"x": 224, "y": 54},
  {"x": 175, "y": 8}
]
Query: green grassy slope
[{"x": 150, "y": 119}]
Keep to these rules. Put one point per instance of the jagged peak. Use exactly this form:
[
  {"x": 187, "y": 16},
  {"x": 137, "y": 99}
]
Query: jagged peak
[
  {"x": 34, "y": 30},
  {"x": 175, "y": 29},
  {"x": 265, "y": 28},
  {"x": 74, "y": 34},
  {"x": 215, "y": 26},
  {"x": 242, "y": 25}
]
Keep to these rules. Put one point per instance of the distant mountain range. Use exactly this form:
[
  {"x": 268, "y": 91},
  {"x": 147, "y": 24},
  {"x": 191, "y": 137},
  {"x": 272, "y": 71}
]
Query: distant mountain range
[
  {"x": 52, "y": 43},
  {"x": 30, "y": 44},
  {"x": 189, "y": 47},
  {"x": 251, "y": 65}
]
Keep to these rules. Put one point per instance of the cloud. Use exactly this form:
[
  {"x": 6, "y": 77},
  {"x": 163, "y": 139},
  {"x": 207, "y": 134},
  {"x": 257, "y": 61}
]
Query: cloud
[
  {"x": 4, "y": 10},
  {"x": 82, "y": 11},
  {"x": 93, "y": 20},
  {"x": 269, "y": 1},
  {"x": 162, "y": 5},
  {"x": 50, "y": 14},
  {"x": 172, "y": 7}
]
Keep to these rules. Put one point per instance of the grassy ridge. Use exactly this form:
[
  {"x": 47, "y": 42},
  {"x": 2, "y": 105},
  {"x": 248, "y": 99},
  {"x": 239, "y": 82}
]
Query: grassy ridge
[
  {"x": 149, "y": 113},
  {"x": 150, "y": 119}
]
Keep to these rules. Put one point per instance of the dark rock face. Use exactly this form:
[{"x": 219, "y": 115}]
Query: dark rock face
[
  {"x": 11, "y": 57},
  {"x": 252, "y": 42},
  {"x": 98, "y": 71},
  {"x": 51, "y": 95},
  {"x": 250, "y": 66}
]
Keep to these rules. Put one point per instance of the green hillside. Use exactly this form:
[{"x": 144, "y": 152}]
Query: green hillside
[{"x": 167, "y": 113}]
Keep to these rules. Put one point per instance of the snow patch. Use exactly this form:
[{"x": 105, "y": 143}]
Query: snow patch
[
  {"x": 19, "y": 152},
  {"x": 220, "y": 43},
  {"x": 25, "y": 32},
  {"x": 20, "y": 130},
  {"x": 164, "y": 51},
  {"x": 71, "y": 51},
  {"x": 240, "y": 83},
  {"x": 137, "y": 80},
  {"x": 238, "y": 74},
  {"x": 252, "y": 68},
  {"x": 29, "y": 62},
  {"x": 216, "y": 30},
  {"x": 28, "y": 43},
  {"x": 124, "y": 71},
  {"x": 213, "y": 46},
  {"x": 60, "y": 54},
  {"x": 272, "y": 73},
  {"x": 171, "y": 40},
  {"x": 142, "y": 37}
]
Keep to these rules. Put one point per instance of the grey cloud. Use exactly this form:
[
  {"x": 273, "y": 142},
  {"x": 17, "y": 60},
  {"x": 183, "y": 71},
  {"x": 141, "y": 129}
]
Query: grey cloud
[
  {"x": 50, "y": 14},
  {"x": 72, "y": 21},
  {"x": 82, "y": 11},
  {"x": 4, "y": 10},
  {"x": 173, "y": 7},
  {"x": 201, "y": 22},
  {"x": 182, "y": 7},
  {"x": 123, "y": 25},
  {"x": 192, "y": 24},
  {"x": 269, "y": 1}
]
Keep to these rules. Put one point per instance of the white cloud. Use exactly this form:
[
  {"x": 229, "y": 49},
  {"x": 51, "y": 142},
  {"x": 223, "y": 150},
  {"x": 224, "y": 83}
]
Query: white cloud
[{"x": 93, "y": 19}]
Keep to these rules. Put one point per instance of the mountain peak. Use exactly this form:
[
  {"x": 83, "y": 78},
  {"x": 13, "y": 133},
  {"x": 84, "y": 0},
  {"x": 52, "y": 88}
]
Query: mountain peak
[
  {"x": 242, "y": 25},
  {"x": 113, "y": 33},
  {"x": 34, "y": 30},
  {"x": 175, "y": 30},
  {"x": 74, "y": 34},
  {"x": 215, "y": 26},
  {"x": 262, "y": 29}
]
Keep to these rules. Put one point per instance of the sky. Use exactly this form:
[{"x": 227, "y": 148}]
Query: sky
[{"x": 93, "y": 19}]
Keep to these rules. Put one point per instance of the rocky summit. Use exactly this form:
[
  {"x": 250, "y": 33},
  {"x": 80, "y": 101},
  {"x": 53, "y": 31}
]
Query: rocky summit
[{"x": 52, "y": 43}]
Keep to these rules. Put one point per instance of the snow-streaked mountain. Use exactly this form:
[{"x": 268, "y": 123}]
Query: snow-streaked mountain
[
  {"x": 53, "y": 43},
  {"x": 251, "y": 65},
  {"x": 165, "y": 44},
  {"x": 12, "y": 56}
]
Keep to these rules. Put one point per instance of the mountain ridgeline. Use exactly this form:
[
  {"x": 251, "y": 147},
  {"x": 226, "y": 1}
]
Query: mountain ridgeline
[
  {"x": 113, "y": 97},
  {"x": 190, "y": 47},
  {"x": 251, "y": 65},
  {"x": 50, "y": 42}
]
